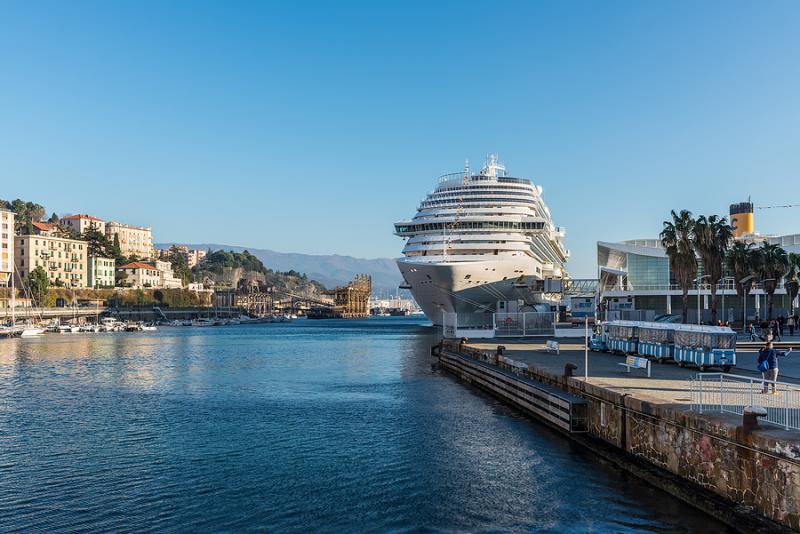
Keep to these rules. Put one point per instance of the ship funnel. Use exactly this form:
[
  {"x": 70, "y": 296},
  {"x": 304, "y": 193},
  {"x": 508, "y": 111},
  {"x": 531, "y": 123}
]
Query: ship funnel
[{"x": 742, "y": 218}]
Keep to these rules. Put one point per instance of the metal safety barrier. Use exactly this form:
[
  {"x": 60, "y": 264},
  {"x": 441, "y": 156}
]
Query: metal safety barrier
[{"x": 725, "y": 393}]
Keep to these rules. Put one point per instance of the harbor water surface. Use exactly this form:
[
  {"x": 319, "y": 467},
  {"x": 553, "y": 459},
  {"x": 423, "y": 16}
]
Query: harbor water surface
[{"x": 335, "y": 426}]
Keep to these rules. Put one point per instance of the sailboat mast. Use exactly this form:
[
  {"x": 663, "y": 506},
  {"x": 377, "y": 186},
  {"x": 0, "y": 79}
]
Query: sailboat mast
[{"x": 13, "y": 293}]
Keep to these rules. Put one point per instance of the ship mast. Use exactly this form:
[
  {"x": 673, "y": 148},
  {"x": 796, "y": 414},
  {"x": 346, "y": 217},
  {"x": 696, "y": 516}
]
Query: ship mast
[{"x": 13, "y": 293}]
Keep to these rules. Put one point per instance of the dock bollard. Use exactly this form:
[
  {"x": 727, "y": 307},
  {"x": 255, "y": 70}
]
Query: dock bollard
[
  {"x": 569, "y": 368},
  {"x": 497, "y": 354},
  {"x": 750, "y": 416}
]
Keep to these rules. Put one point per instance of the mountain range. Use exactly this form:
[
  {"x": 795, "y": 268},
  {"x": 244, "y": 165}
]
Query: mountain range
[{"x": 329, "y": 270}]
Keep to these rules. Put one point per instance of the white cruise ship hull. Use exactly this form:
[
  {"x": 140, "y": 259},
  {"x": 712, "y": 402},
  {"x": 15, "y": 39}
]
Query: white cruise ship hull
[{"x": 472, "y": 289}]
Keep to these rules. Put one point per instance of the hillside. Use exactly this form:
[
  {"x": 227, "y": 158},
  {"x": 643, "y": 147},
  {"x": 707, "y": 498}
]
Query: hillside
[
  {"x": 329, "y": 270},
  {"x": 230, "y": 268}
]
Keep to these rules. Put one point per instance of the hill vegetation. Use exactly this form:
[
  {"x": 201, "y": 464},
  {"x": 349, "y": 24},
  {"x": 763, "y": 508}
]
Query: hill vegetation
[{"x": 229, "y": 268}]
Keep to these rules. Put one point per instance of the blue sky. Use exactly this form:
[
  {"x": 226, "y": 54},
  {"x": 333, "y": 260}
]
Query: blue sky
[{"x": 312, "y": 127}]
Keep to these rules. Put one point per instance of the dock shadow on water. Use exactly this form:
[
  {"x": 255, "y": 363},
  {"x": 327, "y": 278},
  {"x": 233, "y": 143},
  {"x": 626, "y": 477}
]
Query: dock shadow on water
[{"x": 337, "y": 426}]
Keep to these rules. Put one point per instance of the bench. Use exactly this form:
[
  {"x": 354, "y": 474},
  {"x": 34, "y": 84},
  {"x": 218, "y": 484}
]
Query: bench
[
  {"x": 634, "y": 362},
  {"x": 553, "y": 346}
]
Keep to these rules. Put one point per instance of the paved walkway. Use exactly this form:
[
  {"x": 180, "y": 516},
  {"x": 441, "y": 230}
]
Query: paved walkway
[{"x": 668, "y": 382}]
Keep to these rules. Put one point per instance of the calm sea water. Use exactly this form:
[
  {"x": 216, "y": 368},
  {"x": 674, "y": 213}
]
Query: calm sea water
[{"x": 311, "y": 426}]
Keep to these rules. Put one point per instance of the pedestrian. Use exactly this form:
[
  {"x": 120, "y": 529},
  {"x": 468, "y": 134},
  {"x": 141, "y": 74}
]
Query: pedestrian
[
  {"x": 768, "y": 365},
  {"x": 752, "y": 330},
  {"x": 790, "y": 324},
  {"x": 776, "y": 330},
  {"x": 781, "y": 322}
]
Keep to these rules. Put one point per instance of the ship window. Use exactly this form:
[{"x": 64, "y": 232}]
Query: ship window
[
  {"x": 468, "y": 277},
  {"x": 429, "y": 276}
]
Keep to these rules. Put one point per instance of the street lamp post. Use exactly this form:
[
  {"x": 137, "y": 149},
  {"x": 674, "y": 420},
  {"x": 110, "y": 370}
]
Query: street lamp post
[
  {"x": 764, "y": 290},
  {"x": 698, "y": 294},
  {"x": 743, "y": 281}
]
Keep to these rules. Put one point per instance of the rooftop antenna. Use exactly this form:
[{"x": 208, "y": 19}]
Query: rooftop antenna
[{"x": 466, "y": 168}]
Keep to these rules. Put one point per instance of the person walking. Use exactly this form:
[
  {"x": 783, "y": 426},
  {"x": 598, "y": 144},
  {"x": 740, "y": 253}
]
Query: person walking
[
  {"x": 768, "y": 365},
  {"x": 752, "y": 330},
  {"x": 790, "y": 324}
]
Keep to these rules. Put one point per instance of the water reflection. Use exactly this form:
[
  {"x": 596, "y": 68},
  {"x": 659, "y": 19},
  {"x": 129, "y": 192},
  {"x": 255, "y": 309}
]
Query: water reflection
[{"x": 311, "y": 426}]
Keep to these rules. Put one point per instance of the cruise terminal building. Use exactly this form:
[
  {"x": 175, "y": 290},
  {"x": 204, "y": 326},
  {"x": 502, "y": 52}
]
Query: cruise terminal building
[{"x": 635, "y": 279}]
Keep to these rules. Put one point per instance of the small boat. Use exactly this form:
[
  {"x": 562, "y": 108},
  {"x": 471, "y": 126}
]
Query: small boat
[
  {"x": 30, "y": 331},
  {"x": 10, "y": 331},
  {"x": 149, "y": 328}
]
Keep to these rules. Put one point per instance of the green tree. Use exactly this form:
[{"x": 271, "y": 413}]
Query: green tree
[
  {"x": 26, "y": 212},
  {"x": 97, "y": 244},
  {"x": 116, "y": 250},
  {"x": 121, "y": 278},
  {"x": 739, "y": 262},
  {"x": 771, "y": 264},
  {"x": 38, "y": 283},
  {"x": 712, "y": 236},
  {"x": 676, "y": 237},
  {"x": 53, "y": 219},
  {"x": 792, "y": 284},
  {"x": 180, "y": 268}
]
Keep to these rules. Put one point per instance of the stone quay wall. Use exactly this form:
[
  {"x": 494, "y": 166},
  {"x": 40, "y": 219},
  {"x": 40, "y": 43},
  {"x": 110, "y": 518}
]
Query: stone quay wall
[{"x": 756, "y": 471}]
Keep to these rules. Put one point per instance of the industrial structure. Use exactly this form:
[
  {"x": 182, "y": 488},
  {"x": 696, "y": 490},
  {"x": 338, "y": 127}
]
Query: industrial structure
[
  {"x": 253, "y": 298},
  {"x": 352, "y": 301}
]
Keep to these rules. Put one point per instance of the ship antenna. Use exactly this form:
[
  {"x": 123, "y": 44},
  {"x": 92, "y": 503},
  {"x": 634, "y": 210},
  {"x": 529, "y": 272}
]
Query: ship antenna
[{"x": 466, "y": 168}]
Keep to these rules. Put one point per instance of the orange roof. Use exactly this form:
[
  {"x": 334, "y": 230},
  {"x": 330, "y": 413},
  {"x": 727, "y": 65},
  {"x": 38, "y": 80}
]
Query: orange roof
[
  {"x": 43, "y": 226},
  {"x": 82, "y": 216},
  {"x": 137, "y": 265}
]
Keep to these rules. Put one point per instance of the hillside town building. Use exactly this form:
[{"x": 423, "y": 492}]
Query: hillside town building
[
  {"x": 101, "y": 272},
  {"x": 82, "y": 222},
  {"x": 133, "y": 240},
  {"x": 7, "y": 219},
  {"x": 64, "y": 260}
]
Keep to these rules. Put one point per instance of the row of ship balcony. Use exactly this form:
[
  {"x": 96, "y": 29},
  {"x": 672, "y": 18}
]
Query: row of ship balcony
[{"x": 459, "y": 177}]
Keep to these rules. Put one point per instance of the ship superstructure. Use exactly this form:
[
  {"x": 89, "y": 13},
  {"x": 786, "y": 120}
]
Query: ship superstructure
[{"x": 477, "y": 243}]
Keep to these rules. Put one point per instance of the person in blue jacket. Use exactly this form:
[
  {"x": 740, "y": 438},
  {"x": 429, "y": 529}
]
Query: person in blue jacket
[{"x": 768, "y": 365}]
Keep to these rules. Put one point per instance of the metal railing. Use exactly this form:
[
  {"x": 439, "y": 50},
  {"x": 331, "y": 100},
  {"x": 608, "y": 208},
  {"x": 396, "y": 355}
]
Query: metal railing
[
  {"x": 721, "y": 286},
  {"x": 725, "y": 393},
  {"x": 525, "y": 323},
  {"x": 503, "y": 324}
]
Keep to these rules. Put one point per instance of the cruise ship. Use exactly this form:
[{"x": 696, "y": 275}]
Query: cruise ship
[{"x": 479, "y": 244}]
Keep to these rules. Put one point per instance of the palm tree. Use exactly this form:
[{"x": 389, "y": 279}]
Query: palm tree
[
  {"x": 712, "y": 236},
  {"x": 676, "y": 237},
  {"x": 771, "y": 265},
  {"x": 739, "y": 261},
  {"x": 792, "y": 284}
]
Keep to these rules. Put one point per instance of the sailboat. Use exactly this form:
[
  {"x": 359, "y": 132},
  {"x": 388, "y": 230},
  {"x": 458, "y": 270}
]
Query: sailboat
[{"x": 25, "y": 330}]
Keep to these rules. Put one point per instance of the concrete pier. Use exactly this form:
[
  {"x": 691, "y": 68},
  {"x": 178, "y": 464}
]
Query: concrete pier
[{"x": 749, "y": 478}]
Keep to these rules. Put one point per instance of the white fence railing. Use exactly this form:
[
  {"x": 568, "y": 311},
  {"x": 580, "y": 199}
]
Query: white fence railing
[
  {"x": 520, "y": 324},
  {"x": 525, "y": 324},
  {"x": 724, "y": 393}
]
